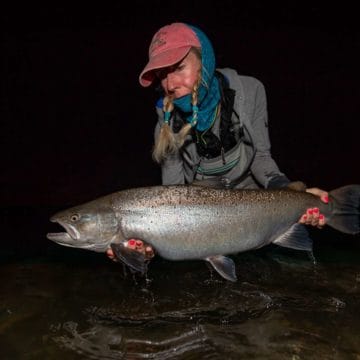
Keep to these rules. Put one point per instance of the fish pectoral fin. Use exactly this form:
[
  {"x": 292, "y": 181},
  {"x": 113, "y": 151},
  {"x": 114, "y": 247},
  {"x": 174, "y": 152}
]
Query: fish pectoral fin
[
  {"x": 224, "y": 266},
  {"x": 136, "y": 260},
  {"x": 296, "y": 237}
]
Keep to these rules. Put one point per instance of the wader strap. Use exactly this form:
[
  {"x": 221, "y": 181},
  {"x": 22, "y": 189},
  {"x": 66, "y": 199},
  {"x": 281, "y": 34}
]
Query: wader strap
[{"x": 236, "y": 168}]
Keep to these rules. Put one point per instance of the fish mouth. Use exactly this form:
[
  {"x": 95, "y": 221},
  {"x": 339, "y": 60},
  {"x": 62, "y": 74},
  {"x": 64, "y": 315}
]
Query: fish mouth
[{"x": 65, "y": 238}]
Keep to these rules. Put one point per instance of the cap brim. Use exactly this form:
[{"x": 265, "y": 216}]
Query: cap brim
[{"x": 164, "y": 59}]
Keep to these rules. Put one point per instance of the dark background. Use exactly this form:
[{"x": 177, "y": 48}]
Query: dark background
[{"x": 76, "y": 124}]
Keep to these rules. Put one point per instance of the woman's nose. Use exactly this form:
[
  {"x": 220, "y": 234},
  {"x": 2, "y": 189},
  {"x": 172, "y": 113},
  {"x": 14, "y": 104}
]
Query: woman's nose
[{"x": 171, "y": 82}]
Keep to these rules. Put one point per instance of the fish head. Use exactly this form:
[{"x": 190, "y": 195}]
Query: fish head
[{"x": 90, "y": 226}]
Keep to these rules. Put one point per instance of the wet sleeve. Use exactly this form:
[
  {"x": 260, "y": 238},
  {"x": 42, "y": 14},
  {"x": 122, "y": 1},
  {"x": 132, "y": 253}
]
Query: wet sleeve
[
  {"x": 172, "y": 169},
  {"x": 264, "y": 168}
]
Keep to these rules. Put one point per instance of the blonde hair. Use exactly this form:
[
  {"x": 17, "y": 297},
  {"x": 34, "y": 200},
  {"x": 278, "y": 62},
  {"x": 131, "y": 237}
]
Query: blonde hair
[{"x": 167, "y": 142}]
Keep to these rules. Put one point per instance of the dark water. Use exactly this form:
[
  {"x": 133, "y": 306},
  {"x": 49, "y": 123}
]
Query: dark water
[{"x": 57, "y": 302}]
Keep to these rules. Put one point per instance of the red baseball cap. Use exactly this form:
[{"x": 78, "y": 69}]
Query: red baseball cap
[{"x": 168, "y": 46}]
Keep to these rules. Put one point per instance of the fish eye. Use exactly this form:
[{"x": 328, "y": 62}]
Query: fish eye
[{"x": 75, "y": 217}]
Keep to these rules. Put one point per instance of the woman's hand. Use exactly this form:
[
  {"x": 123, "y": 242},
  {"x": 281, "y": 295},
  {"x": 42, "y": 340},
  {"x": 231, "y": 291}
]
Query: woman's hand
[
  {"x": 136, "y": 245},
  {"x": 110, "y": 254},
  {"x": 312, "y": 215}
]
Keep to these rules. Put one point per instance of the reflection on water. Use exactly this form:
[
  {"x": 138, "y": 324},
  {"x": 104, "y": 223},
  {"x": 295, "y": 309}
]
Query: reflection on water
[
  {"x": 74, "y": 304},
  {"x": 105, "y": 342}
]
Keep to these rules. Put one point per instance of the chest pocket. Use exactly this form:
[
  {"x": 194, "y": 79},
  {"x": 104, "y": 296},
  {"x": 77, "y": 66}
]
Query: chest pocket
[{"x": 234, "y": 163}]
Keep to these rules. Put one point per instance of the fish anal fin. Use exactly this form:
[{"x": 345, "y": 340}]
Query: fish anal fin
[
  {"x": 136, "y": 260},
  {"x": 296, "y": 237},
  {"x": 224, "y": 266}
]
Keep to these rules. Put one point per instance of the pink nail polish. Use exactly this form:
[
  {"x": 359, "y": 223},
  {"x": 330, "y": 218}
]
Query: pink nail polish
[
  {"x": 321, "y": 217},
  {"x": 316, "y": 210},
  {"x": 310, "y": 211},
  {"x": 326, "y": 199}
]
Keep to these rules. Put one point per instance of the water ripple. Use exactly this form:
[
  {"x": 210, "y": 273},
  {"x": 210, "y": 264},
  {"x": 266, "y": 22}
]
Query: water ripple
[{"x": 101, "y": 342}]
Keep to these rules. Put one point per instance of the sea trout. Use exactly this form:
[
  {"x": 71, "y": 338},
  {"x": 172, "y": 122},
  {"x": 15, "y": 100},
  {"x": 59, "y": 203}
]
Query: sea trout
[{"x": 189, "y": 222}]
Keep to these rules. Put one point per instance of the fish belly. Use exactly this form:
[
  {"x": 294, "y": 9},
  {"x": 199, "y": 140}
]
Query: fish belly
[{"x": 195, "y": 233}]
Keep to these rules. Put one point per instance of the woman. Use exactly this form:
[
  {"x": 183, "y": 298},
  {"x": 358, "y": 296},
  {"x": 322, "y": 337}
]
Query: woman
[{"x": 212, "y": 124}]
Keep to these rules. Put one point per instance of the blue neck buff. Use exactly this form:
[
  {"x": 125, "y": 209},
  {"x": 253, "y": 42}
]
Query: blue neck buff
[{"x": 208, "y": 93}]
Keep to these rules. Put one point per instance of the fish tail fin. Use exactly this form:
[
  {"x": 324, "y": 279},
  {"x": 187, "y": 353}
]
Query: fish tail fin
[{"x": 345, "y": 215}]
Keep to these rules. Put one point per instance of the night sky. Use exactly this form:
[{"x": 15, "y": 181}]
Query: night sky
[{"x": 76, "y": 124}]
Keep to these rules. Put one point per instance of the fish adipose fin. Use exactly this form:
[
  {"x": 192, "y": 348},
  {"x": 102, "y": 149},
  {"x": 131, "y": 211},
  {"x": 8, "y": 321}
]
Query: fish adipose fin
[
  {"x": 296, "y": 237},
  {"x": 224, "y": 266},
  {"x": 132, "y": 258}
]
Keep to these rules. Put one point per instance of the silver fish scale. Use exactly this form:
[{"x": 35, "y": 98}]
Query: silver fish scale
[{"x": 194, "y": 222}]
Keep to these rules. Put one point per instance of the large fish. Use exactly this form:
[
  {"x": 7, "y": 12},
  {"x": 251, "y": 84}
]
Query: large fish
[{"x": 187, "y": 222}]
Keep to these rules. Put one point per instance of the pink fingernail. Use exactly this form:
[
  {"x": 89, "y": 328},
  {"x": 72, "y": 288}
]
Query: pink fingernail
[
  {"x": 304, "y": 217},
  {"x": 310, "y": 211},
  {"x": 321, "y": 217},
  {"x": 326, "y": 199},
  {"x": 132, "y": 242},
  {"x": 316, "y": 210}
]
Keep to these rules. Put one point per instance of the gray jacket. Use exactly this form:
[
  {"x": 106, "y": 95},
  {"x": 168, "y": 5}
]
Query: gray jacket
[{"x": 249, "y": 164}]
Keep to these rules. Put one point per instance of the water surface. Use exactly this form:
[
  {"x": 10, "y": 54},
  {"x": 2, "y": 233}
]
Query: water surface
[{"x": 57, "y": 303}]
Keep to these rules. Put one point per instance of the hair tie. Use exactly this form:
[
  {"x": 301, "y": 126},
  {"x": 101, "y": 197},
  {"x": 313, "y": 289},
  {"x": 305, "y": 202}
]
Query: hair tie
[
  {"x": 167, "y": 117},
  {"x": 194, "y": 119}
]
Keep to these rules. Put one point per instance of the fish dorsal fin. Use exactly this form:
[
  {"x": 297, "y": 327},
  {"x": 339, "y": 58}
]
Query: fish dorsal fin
[
  {"x": 296, "y": 237},
  {"x": 224, "y": 266},
  {"x": 132, "y": 258}
]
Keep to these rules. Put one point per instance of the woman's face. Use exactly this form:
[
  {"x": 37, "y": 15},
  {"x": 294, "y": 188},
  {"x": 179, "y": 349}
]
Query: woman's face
[{"x": 178, "y": 80}]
